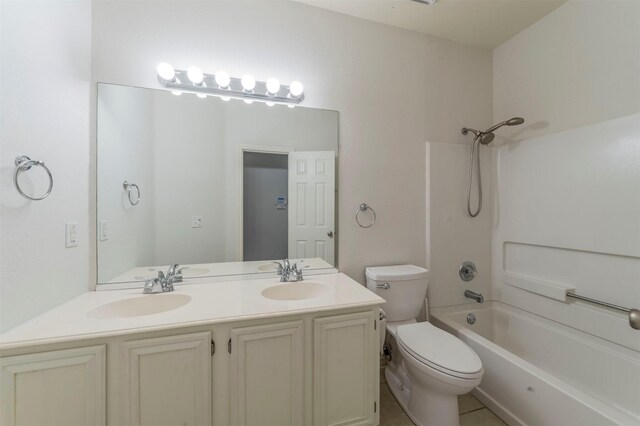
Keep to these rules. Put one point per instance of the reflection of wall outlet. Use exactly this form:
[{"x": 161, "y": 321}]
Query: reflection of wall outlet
[
  {"x": 196, "y": 221},
  {"x": 71, "y": 234},
  {"x": 103, "y": 231}
]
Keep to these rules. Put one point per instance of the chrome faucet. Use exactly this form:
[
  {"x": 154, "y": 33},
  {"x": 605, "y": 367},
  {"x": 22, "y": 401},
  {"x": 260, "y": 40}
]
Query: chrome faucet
[
  {"x": 473, "y": 295},
  {"x": 163, "y": 283},
  {"x": 289, "y": 273}
]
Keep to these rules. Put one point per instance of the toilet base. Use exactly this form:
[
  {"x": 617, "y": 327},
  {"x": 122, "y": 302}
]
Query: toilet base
[
  {"x": 422, "y": 405},
  {"x": 428, "y": 408},
  {"x": 433, "y": 408}
]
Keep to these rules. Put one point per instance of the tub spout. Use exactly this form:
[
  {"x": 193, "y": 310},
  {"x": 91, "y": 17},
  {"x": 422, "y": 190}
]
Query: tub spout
[{"x": 473, "y": 295}]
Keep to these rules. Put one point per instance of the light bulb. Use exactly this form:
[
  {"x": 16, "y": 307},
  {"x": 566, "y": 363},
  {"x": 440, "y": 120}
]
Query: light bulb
[
  {"x": 166, "y": 71},
  {"x": 225, "y": 98},
  {"x": 248, "y": 82},
  {"x": 222, "y": 79},
  {"x": 201, "y": 95},
  {"x": 296, "y": 89},
  {"x": 273, "y": 86},
  {"x": 176, "y": 92},
  {"x": 248, "y": 101},
  {"x": 195, "y": 75},
  {"x": 269, "y": 103}
]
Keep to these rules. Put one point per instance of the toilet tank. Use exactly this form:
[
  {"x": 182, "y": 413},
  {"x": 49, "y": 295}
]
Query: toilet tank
[{"x": 404, "y": 287}]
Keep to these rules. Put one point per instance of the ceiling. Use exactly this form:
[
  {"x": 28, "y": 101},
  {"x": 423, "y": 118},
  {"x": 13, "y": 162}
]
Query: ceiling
[{"x": 482, "y": 23}]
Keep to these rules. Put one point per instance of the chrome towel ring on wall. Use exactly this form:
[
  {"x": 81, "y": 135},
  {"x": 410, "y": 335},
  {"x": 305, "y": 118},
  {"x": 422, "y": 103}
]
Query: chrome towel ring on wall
[
  {"x": 24, "y": 163},
  {"x": 363, "y": 208},
  {"x": 129, "y": 188}
]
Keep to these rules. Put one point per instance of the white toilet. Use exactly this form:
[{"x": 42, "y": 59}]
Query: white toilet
[{"x": 429, "y": 367}]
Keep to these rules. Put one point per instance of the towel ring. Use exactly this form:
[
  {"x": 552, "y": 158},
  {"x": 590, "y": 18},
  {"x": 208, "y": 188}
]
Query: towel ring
[
  {"x": 127, "y": 186},
  {"x": 363, "y": 208},
  {"x": 24, "y": 163}
]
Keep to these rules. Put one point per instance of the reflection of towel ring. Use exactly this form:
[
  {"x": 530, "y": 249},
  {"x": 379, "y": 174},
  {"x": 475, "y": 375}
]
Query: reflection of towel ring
[
  {"x": 24, "y": 163},
  {"x": 363, "y": 208},
  {"x": 127, "y": 186}
]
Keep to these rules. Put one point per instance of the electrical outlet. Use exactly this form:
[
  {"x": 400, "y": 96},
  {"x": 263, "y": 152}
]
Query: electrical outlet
[
  {"x": 196, "y": 221},
  {"x": 71, "y": 234},
  {"x": 103, "y": 230}
]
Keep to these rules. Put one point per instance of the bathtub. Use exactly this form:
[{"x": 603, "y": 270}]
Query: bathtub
[{"x": 540, "y": 372}]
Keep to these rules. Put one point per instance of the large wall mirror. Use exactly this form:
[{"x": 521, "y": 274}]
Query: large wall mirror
[{"x": 221, "y": 188}]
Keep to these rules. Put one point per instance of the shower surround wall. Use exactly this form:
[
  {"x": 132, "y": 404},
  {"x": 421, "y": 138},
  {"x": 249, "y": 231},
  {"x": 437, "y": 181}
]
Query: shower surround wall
[{"x": 568, "y": 182}]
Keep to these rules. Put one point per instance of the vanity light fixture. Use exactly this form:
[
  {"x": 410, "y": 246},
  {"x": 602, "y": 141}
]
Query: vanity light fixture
[
  {"x": 248, "y": 83},
  {"x": 220, "y": 84},
  {"x": 222, "y": 79},
  {"x": 195, "y": 75},
  {"x": 166, "y": 72},
  {"x": 273, "y": 86}
]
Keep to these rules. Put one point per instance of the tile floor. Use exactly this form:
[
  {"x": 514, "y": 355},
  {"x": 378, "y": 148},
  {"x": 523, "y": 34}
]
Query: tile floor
[{"x": 472, "y": 412}]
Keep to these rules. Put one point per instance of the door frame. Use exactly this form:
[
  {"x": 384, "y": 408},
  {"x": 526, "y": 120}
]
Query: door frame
[{"x": 260, "y": 149}]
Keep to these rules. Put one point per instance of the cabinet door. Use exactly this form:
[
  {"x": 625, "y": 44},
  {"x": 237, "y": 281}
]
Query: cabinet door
[
  {"x": 168, "y": 380},
  {"x": 267, "y": 377},
  {"x": 344, "y": 370},
  {"x": 54, "y": 388}
]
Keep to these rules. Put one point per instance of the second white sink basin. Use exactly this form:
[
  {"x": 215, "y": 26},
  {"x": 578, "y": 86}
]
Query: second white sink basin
[
  {"x": 139, "y": 306},
  {"x": 296, "y": 291}
]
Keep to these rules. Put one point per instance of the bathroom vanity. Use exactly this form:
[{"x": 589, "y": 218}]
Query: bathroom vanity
[{"x": 219, "y": 353}]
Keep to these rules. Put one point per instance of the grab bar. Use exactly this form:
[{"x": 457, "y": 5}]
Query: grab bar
[{"x": 634, "y": 314}]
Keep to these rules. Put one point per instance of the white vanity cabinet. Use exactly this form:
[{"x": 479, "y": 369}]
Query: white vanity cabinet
[
  {"x": 309, "y": 368},
  {"x": 64, "y": 387},
  {"x": 266, "y": 376},
  {"x": 167, "y": 380},
  {"x": 345, "y": 370}
]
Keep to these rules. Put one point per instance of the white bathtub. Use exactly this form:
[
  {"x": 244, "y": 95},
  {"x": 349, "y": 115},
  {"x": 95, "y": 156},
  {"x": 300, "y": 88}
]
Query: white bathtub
[{"x": 539, "y": 372}]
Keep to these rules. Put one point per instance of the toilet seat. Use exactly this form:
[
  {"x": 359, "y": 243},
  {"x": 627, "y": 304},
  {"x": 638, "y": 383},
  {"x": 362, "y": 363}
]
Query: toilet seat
[{"x": 439, "y": 350}]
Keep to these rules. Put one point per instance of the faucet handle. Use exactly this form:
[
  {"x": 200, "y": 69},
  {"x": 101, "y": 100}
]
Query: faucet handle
[
  {"x": 172, "y": 270},
  {"x": 280, "y": 268},
  {"x": 151, "y": 285}
]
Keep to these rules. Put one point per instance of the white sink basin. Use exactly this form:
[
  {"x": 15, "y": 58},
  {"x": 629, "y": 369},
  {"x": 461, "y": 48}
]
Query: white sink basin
[
  {"x": 296, "y": 291},
  {"x": 139, "y": 306},
  {"x": 269, "y": 267}
]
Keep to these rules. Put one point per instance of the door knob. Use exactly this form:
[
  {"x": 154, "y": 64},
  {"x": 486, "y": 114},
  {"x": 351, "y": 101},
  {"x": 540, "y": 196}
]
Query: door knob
[{"x": 330, "y": 234}]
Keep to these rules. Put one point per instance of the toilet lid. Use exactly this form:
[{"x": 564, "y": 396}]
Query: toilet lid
[{"x": 439, "y": 349}]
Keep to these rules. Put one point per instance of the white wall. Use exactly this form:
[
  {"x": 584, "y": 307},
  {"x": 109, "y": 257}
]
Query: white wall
[
  {"x": 394, "y": 89},
  {"x": 45, "y": 89},
  {"x": 454, "y": 236},
  {"x": 577, "y": 66},
  {"x": 567, "y": 196}
]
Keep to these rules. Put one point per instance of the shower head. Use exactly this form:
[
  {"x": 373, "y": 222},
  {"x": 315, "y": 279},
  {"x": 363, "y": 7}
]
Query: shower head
[
  {"x": 515, "y": 121},
  {"x": 486, "y": 138}
]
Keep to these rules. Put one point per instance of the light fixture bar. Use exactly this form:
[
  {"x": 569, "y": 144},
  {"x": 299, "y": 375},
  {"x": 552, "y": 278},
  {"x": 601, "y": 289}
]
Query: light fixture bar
[{"x": 209, "y": 86}]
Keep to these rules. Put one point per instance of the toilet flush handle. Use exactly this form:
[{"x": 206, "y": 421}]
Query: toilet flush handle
[{"x": 384, "y": 286}]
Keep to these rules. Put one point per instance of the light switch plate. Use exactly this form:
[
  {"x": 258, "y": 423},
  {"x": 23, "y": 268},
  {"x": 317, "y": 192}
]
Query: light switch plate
[
  {"x": 71, "y": 234},
  {"x": 103, "y": 231},
  {"x": 196, "y": 221}
]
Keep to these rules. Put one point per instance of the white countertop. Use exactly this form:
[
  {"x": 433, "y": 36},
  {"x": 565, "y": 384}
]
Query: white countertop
[{"x": 211, "y": 302}]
